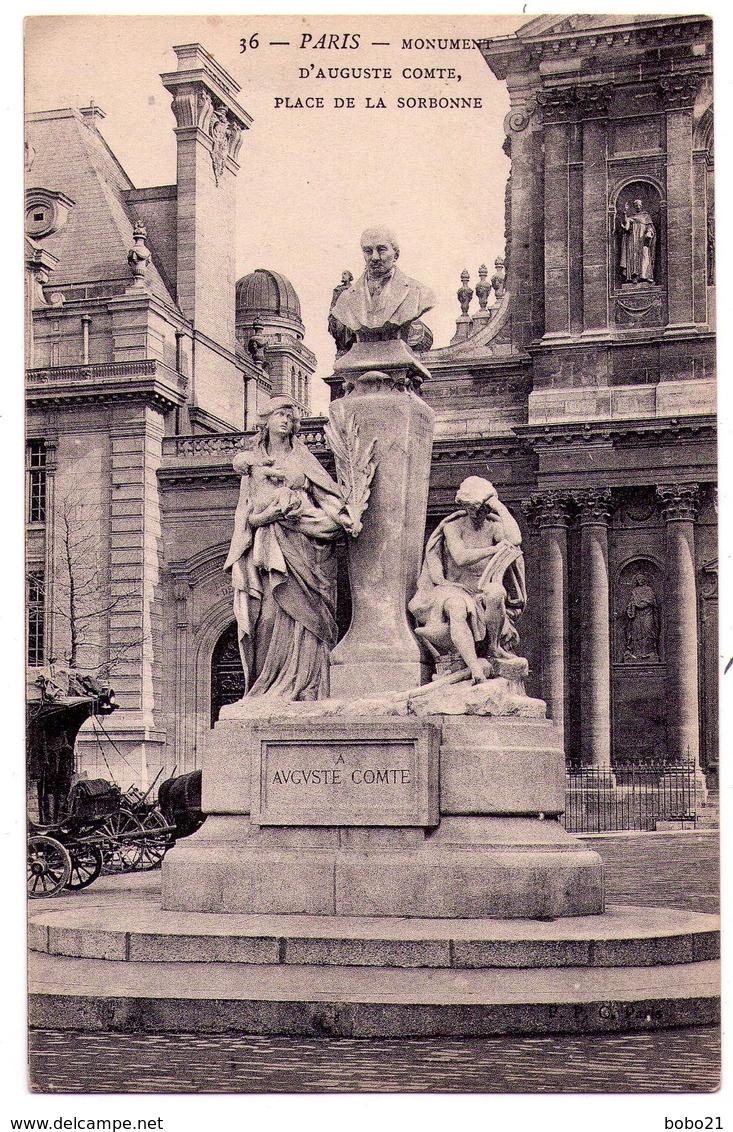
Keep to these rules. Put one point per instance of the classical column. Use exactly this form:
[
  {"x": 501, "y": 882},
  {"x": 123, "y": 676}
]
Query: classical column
[
  {"x": 679, "y": 504},
  {"x": 550, "y": 511},
  {"x": 595, "y": 648}
]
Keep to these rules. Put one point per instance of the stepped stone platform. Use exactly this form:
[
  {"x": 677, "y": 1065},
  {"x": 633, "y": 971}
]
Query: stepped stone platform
[{"x": 119, "y": 962}]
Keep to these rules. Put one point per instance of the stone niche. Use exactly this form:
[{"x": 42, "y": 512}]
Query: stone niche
[{"x": 640, "y": 303}]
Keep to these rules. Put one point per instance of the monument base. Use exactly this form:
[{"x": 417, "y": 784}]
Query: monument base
[
  {"x": 438, "y": 816},
  {"x": 485, "y": 867},
  {"x": 116, "y": 962}
]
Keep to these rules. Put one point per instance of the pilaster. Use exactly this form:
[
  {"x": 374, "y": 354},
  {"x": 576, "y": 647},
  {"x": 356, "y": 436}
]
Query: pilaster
[
  {"x": 678, "y": 95},
  {"x": 557, "y": 109},
  {"x": 595, "y": 229}
]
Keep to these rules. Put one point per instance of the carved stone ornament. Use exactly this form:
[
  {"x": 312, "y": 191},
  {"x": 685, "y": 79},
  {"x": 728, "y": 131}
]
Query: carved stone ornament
[
  {"x": 593, "y": 100},
  {"x": 566, "y": 103},
  {"x": 355, "y": 467},
  {"x": 710, "y": 249},
  {"x": 192, "y": 106},
  {"x": 709, "y": 588},
  {"x": 139, "y": 255},
  {"x": 181, "y": 590},
  {"x": 483, "y": 289},
  {"x": 594, "y": 506},
  {"x": 548, "y": 508},
  {"x": 46, "y": 212},
  {"x": 518, "y": 118},
  {"x": 236, "y": 135},
  {"x": 219, "y": 141},
  {"x": 645, "y": 309},
  {"x": 498, "y": 279},
  {"x": 464, "y": 294},
  {"x": 638, "y": 506},
  {"x": 678, "y": 92},
  {"x": 557, "y": 105},
  {"x": 679, "y": 502},
  {"x": 257, "y": 344}
]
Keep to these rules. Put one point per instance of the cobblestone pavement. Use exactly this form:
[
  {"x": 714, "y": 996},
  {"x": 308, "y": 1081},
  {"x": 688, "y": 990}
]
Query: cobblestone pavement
[
  {"x": 676, "y": 869},
  {"x": 671, "y": 1061}
]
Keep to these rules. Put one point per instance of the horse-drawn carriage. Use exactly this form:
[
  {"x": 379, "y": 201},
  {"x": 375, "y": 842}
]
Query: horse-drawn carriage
[{"x": 81, "y": 828}]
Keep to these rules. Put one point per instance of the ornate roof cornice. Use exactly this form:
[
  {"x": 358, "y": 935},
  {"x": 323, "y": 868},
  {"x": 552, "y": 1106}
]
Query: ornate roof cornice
[
  {"x": 148, "y": 380},
  {"x": 522, "y": 50},
  {"x": 655, "y": 431}
]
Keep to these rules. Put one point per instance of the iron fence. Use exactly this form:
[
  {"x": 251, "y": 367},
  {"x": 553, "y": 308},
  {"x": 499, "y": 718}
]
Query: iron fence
[{"x": 629, "y": 796}]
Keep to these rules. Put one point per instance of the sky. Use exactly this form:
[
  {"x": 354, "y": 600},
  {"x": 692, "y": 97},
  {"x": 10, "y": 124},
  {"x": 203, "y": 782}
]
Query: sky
[{"x": 311, "y": 179}]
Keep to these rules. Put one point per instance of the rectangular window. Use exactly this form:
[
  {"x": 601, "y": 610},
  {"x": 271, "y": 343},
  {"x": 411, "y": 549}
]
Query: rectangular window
[
  {"x": 36, "y": 481},
  {"x": 36, "y": 617}
]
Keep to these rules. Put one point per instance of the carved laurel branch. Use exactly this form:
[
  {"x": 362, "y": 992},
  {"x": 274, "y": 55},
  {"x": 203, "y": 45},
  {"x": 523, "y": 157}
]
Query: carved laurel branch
[{"x": 355, "y": 468}]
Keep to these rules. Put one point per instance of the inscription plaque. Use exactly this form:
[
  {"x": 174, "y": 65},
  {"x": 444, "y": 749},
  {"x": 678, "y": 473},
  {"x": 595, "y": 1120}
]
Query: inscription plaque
[{"x": 355, "y": 775}]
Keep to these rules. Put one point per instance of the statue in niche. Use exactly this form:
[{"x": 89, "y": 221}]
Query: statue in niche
[
  {"x": 471, "y": 588},
  {"x": 638, "y": 244},
  {"x": 642, "y": 622},
  {"x": 383, "y": 303},
  {"x": 282, "y": 560}
]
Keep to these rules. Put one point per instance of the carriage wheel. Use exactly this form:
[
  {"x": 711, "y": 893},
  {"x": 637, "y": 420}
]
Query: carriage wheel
[
  {"x": 49, "y": 866},
  {"x": 86, "y": 865},
  {"x": 154, "y": 846},
  {"x": 120, "y": 855}
]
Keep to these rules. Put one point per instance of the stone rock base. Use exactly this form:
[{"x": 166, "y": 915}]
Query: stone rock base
[
  {"x": 114, "y": 961},
  {"x": 469, "y": 867}
]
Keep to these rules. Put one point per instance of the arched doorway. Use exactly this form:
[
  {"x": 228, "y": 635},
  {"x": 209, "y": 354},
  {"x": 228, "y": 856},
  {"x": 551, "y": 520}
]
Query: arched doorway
[{"x": 227, "y": 677}]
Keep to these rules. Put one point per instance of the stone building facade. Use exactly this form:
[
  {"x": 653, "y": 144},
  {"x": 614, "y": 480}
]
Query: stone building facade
[
  {"x": 581, "y": 380},
  {"x": 590, "y": 392}
]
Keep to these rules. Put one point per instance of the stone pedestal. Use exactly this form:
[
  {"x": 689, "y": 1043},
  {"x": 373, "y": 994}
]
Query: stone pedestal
[
  {"x": 359, "y": 817},
  {"x": 394, "y": 798},
  {"x": 464, "y": 326},
  {"x": 380, "y": 652}
]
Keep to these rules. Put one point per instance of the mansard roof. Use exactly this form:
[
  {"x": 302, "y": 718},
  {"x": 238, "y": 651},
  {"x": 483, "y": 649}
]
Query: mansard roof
[{"x": 68, "y": 155}]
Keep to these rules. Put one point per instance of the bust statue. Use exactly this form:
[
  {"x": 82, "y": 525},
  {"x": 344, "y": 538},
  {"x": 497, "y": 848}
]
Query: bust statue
[{"x": 383, "y": 303}]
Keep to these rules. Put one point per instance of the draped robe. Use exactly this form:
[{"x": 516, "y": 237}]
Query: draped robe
[{"x": 284, "y": 578}]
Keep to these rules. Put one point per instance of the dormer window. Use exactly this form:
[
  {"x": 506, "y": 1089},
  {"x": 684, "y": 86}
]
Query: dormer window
[{"x": 45, "y": 212}]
